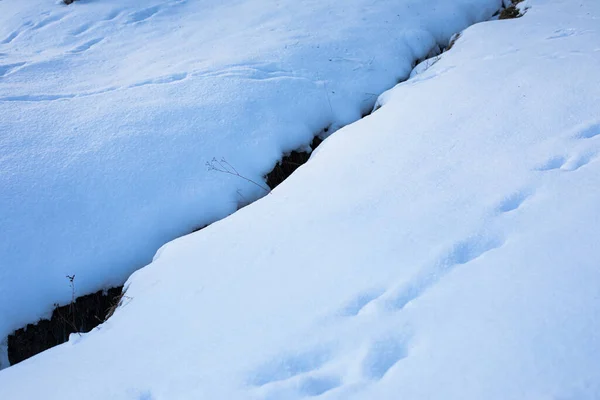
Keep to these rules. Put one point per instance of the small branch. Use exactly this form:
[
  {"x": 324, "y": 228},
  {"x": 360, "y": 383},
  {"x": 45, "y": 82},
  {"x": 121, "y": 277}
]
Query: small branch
[
  {"x": 224, "y": 167},
  {"x": 67, "y": 322},
  {"x": 71, "y": 279},
  {"x": 116, "y": 304},
  {"x": 229, "y": 165}
]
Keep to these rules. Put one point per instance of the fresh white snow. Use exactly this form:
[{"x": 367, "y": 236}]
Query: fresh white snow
[
  {"x": 110, "y": 109},
  {"x": 445, "y": 247}
]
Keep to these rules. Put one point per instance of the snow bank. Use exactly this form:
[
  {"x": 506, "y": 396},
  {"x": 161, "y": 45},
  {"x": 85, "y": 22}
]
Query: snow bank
[
  {"x": 110, "y": 109},
  {"x": 444, "y": 247}
]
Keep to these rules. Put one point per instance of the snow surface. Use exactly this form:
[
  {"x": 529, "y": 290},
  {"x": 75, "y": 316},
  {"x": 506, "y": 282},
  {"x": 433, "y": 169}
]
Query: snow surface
[
  {"x": 445, "y": 247},
  {"x": 110, "y": 109}
]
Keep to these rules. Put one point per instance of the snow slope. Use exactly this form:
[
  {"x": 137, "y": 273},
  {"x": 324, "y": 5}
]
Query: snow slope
[
  {"x": 109, "y": 111},
  {"x": 445, "y": 247}
]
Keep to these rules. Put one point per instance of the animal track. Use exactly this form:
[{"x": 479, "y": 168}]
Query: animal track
[
  {"x": 552, "y": 163},
  {"x": 290, "y": 366},
  {"x": 589, "y": 132},
  {"x": 515, "y": 200},
  {"x": 317, "y": 385},
  {"x": 382, "y": 356},
  {"x": 354, "y": 306},
  {"x": 307, "y": 374},
  {"x": 112, "y": 15},
  {"x": 409, "y": 292},
  {"x": 311, "y": 385},
  {"x": 470, "y": 249},
  {"x": 145, "y": 395},
  {"x": 461, "y": 253},
  {"x": 579, "y": 161},
  {"x": 86, "y": 46}
]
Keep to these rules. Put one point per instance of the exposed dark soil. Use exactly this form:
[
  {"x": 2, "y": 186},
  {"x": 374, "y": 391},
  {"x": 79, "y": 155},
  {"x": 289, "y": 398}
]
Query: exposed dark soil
[
  {"x": 86, "y": 313},
  {"x": 289, "y": 163},
  {"x": 511, "y": 11}
]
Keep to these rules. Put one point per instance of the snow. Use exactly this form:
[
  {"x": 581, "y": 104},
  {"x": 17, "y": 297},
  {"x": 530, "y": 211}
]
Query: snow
[
  {"x": 444, "y": 247},
  {"x": 109, "y": 111}
]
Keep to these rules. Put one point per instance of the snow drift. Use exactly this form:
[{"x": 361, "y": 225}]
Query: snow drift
[{"x": 444, "y": 247}]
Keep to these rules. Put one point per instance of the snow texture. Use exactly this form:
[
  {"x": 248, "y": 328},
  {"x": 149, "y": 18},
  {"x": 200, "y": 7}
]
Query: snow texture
[
  {"x": 444, "y": 247},
  {"x": 109, "y": 111}
]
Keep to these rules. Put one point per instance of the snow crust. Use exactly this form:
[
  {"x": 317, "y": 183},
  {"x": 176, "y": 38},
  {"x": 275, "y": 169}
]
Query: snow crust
[
  {"x": 110, "y": 109},
  {"x": 445, "y": 247}
]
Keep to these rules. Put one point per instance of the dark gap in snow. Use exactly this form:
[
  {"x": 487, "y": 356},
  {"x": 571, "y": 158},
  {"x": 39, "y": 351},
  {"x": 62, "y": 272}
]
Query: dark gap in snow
[
  {"x": 511, "y": 11},
  {"x": 83, "y": 315},
  {"x": 317, "y": 140},
  {"x": 453, "y": 40},
  {"x": 199, "y": 228},
  {"x": 290, "y": 163}
]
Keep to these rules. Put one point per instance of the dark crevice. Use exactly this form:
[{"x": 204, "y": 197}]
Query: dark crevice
[
  {"x": 512, "y": 11},
  {"x": 83, "y": 315},
  {"x": 290, "y": 163},
  {"x": 284, "y": 168},
  {"x": 199, "y": 228}
]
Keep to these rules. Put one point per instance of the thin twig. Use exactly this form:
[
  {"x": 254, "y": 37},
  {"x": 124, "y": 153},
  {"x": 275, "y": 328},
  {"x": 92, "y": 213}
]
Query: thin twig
[
  {"x": 72, "y": 308},
  {"x": 226, "y": 168},
  {"x": 231, "y": 166},
  {"x": 72, "y": 325}
]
